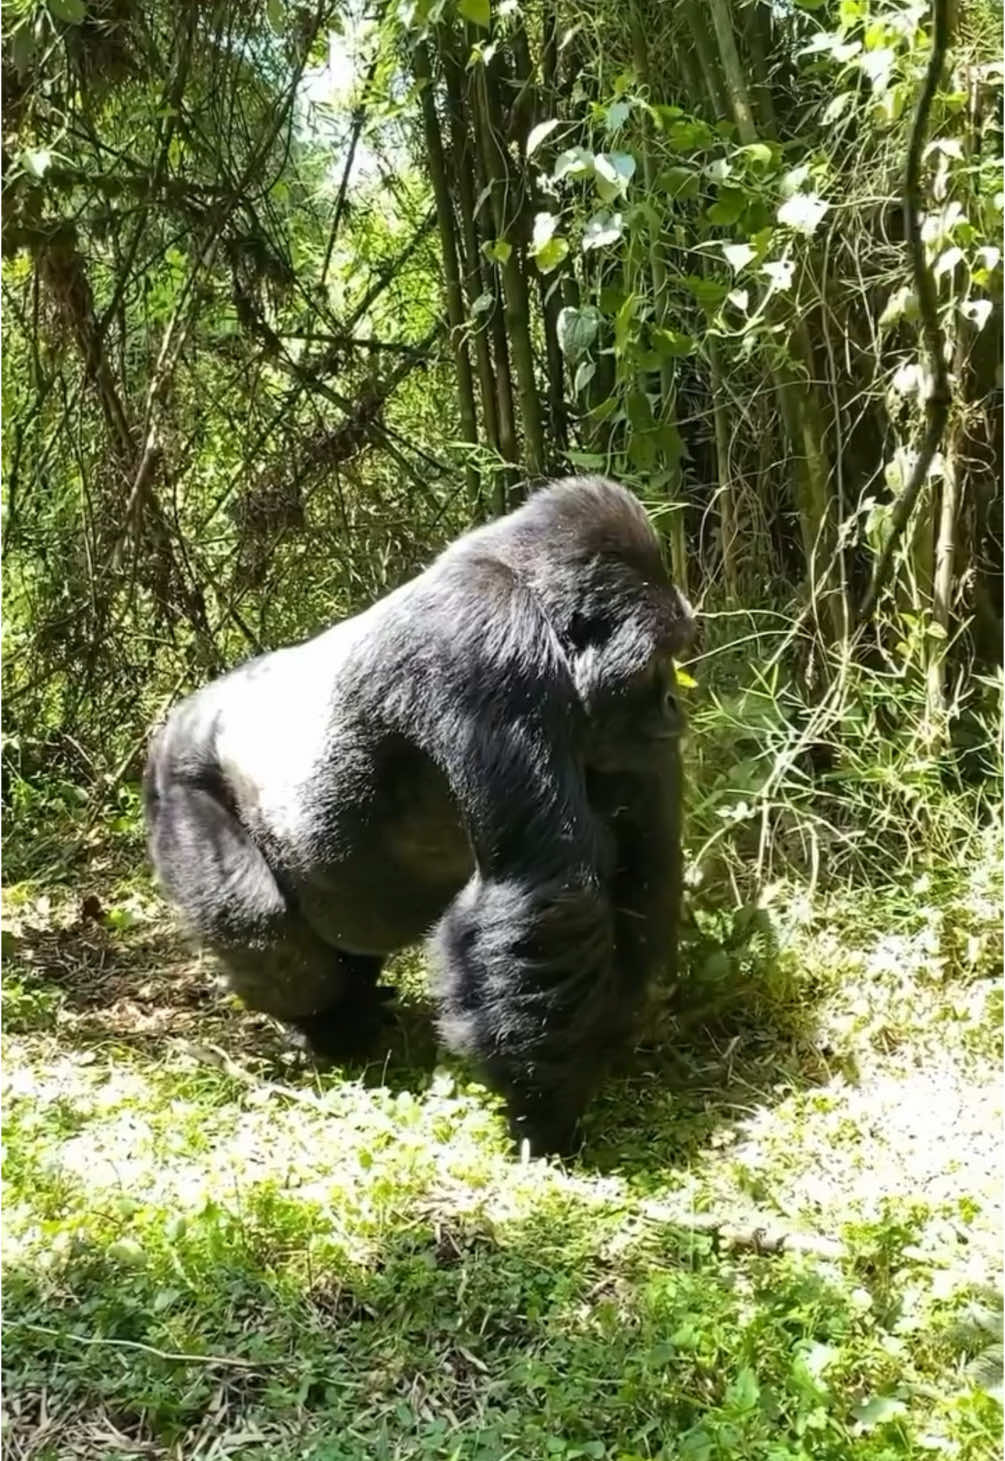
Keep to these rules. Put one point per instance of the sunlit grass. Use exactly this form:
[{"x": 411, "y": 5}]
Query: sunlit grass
[{"x": 208, "y": 1243}]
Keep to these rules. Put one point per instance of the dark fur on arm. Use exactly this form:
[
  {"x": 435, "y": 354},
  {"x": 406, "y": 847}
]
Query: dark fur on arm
[{"x": 528, "y": 985}]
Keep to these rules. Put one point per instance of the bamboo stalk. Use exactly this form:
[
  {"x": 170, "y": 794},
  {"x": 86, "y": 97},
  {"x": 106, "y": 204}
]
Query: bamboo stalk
[
  {"x": 937, "y": 404},
  {"x": 657, "y": 272},
  {"x": 514, "y": 283},
  {"x": 472, "y": 274},
  {"x": 736, "y": 86},
  {"x": 796, "y": 392},
  {"x": 727, "y": 505},
  {"x": 757, "y": 19},
  {"x": 708, "y": 63},
  {"x": 449, "y": 256}
]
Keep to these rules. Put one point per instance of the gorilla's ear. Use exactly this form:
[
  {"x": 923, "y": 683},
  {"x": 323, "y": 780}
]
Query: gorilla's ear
[{"x": 682, "y": 627}]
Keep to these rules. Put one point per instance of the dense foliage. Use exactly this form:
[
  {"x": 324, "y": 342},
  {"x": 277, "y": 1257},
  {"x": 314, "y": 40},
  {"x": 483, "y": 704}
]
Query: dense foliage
[
  {"x": 292, "y": 294},
  {"x": 269, "y": 341}
]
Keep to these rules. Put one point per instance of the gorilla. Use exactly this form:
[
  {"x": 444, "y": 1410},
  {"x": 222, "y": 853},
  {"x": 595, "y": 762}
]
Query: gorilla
[{"x": 490, "y": 753}]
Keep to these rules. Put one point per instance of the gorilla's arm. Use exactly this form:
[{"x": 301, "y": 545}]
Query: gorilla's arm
[
  {"x": 643, "y": 809},
  {"x": 528, "y": 984}
]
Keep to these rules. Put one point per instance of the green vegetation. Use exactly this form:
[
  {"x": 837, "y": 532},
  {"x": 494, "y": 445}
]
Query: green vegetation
[
  {"x": 209, "y": 1244},
  {"x": 273, "y": 333}
]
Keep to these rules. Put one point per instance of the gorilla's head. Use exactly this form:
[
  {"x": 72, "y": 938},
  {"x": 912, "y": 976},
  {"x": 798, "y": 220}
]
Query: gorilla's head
[{"x": 588, "y": 551}]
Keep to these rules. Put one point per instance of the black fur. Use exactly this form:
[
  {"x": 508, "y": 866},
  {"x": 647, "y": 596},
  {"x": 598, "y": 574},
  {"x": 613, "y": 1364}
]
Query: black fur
[{"x": 491, "y": 750}]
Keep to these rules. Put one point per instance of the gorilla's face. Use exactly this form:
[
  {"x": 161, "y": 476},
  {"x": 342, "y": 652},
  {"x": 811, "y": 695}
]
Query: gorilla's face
[{"x": 631, "y": 727}]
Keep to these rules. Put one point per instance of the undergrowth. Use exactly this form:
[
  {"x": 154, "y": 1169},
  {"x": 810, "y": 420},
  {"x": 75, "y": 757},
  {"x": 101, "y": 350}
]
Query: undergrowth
[{"x": 213, "y": 1249}]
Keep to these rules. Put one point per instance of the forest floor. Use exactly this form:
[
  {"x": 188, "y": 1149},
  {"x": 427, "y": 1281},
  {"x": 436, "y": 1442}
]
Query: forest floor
[{"x": 211, "y": 1250}]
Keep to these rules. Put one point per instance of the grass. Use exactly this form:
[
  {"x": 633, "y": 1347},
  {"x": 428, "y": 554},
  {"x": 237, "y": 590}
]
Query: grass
[{"x": 213, "y": 1250}]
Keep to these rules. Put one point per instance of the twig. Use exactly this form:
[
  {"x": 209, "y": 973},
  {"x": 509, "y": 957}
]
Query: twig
[
  {"x": 937, "y": 403},
  {"x": 761, "y": 1235},
  {"x": 181, "y": 1356}
]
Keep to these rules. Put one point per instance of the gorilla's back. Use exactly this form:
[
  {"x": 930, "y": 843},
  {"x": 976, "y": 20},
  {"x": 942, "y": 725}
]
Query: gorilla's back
[{"x": 358, "y": 822}]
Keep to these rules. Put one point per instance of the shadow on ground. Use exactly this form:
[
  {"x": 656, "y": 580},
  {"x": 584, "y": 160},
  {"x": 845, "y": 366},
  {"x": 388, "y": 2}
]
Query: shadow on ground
[{"x": 698, "y": 1070}]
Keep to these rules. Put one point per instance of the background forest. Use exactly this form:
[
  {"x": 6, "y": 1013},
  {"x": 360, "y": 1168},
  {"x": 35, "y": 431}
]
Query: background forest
[{"x": 292, "y": 295}]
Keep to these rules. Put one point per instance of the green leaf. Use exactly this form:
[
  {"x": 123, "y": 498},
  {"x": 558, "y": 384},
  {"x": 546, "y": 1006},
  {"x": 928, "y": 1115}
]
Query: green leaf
[
  {"x": 642, "y": 450},
  {"x": 758, "y": 152},
  {"x": 37, "y": 163},
  {"x": 544, "y": 227},
  {"x": 551, "y": 254},
  {"x": 23, "y": 48},
  {"x": 612, "y": 297},
  {"x": 640, "y": 411},
  {"x": 744, "y": 1392},
  {"x": 499, "y": 251},
  {"x": 126, "y": 1251},
  {"x": 878, "y": 1411},
  {"x": 275, "y": 12},
  {"x": 577, "y": 330},
  {"x": 671, "y": 344},
  {"x": 780, "y": 272},
  {"x": 617, "y": 115},
  {"x": 539, "y": 133},
  {"x": 574, "y": 162},
  {"x": 72, "y": 12},
  {"x": 690, "y": 136},
  {"x": 684, "y": 679},
  {"x": 602, "y": 230},
  {"x": 669, "y": 441},
  {"x": 584, "y": 374},
  {"x": 613, "y": 171},
  {"x": 947, "y": 261},
  {"x": 708, "y": 292},
  {"x": 664, "y": 116},
  {"x": 792, "y": 181},
  {"x": 548, "y": 250},
  {"x": 902, "y": 305},
  {"x": 977, "y": 311},
  {"x": 803, "y": 212},
  {"x": 738, "y": 255},
  {"x": 479, "y": 12},
  {"x": 624, "y": 325},
  {"x": 483, "y": 304},
  {"x": 838, "y": 105},
  {"x": 728, "y": 207},
  {"x": 679, "y": 182}
]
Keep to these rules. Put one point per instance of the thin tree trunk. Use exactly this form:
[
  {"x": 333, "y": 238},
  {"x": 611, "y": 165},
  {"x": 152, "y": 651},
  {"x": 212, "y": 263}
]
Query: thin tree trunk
[
  {"x": 461, "y": 147},
  {"x": 449, "y": 253},
  {"x": 797, "y": 396},
  {"x": 707, "y": 58},
  {"x": 757, "y": 22},
  {"x": 942, "y": 587},
  {"x": 543, "y": 102},
  {"x": 657, "y": 271},
  {"x": 514, "y": 281},
  {"x": 727, "y": 504},
  {"x": 739, "y": 97}
]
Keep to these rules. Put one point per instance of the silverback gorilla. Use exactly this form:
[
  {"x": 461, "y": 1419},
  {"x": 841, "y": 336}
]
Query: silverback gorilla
[{"x": 490, "y": 752}]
